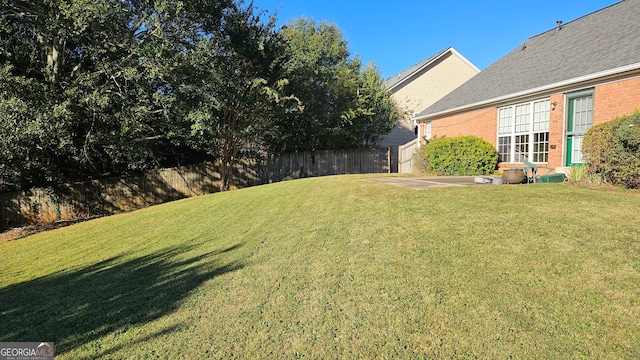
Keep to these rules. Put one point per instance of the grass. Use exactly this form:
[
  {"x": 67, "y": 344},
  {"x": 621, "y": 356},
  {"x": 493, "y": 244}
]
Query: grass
[{"x": 338, "y": 267}]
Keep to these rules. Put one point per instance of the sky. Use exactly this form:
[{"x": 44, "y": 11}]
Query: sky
[{"x": 400, "y": 33}]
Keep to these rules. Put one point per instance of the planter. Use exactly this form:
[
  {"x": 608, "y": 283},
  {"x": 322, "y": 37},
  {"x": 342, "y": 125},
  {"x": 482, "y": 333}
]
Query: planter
[{"x": 513, "y": 176}]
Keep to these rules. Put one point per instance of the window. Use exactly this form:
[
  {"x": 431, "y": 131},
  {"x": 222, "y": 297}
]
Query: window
[
  {"x": 427, "y": 131},
  {"x": 505, "y": 127},
  {"x": 523, "y": 118},
  {"x": 583, "y": 114},
  {"x": 521, "y": 147},
  {"x": 504, "y": 148},
  {"x": 541, "y": 116},
  {"x": 541, "y": 147},
  {"x": 505, "y": 120},
  {"x": 576, "y": 149},
  {"x": 523, "y": 132}
]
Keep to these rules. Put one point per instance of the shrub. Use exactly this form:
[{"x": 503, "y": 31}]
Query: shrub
[
  {"x": 612, "y": 151},
  {"x": 462, "y": 155},
  {"x": 577, "y": 174},
  {"x": 582, "y": 175}
]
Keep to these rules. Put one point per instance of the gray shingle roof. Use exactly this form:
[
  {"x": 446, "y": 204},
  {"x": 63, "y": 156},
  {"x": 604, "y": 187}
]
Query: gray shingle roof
[
  {"x": 395, "y": 80},
  {"x": 603, "y": 40}
]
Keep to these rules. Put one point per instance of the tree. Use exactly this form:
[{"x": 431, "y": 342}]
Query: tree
[
  {"x": 375, "y": 113},
  {"x": 241, "y": 89},
  {"x": 344, "y": 106},
  {"x": 323, "y": 78}
]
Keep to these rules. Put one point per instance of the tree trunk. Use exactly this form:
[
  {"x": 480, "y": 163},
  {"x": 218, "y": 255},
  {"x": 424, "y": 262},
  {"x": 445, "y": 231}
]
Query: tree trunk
[
  {"x": 228, "y": 151},
  {"x": 54, "y": 51}
]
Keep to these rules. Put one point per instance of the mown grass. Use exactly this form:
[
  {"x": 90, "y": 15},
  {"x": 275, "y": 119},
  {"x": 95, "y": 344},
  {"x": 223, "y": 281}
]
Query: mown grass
[{"x": 338, "y": 267}]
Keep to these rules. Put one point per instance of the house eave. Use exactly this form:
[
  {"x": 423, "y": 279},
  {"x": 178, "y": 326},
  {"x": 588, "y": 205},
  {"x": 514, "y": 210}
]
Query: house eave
[
  {"x": 565, "y": 85},
  {"x": 464, "y": 59}
]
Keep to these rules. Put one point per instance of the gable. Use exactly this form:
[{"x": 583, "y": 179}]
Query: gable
[{"x": 426, "y": 82}]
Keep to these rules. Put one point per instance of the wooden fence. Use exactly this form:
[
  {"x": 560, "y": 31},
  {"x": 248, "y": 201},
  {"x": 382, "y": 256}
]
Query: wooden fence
[
  {"x": 322, "y": 163},
  {"x": 405, "y": 156},
  {"x": 107, "y": 196},
  {"x": 114, "y": 195}
]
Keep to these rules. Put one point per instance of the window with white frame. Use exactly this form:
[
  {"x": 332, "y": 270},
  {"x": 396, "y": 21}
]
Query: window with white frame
[
  {"x": 523, "y": 132},
  {"x": 427, "y": 131},
  {"x": 583, "y": 114},
  {"x": 505, "y": 129}
]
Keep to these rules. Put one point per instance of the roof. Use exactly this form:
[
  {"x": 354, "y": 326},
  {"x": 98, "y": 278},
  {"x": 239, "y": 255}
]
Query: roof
[
  {"x": 594, "y": 44},
  {"x": 401, "y": 77},
  {"x": 409, "y": 73}
]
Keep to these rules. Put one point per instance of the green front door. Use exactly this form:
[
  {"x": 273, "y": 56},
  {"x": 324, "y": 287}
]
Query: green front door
[{"x": 579, "y": 120}]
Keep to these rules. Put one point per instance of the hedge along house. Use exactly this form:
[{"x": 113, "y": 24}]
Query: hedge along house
[
  {"x": 537, "y": 102},
  {"x": 418, "y": 87}
]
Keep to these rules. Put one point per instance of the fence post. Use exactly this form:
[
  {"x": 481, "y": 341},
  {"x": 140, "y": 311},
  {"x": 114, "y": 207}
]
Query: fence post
[{"x": 389, "y": 153}]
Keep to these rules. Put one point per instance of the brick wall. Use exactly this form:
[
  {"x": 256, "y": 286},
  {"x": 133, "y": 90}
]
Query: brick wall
[
  {"x": 616, "y": 99},
  {"x": 481, "y": 123},
  {"x": 556, "y": 129}
]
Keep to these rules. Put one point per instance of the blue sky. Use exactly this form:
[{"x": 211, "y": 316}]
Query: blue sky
[{"x": 397, "y": 34}]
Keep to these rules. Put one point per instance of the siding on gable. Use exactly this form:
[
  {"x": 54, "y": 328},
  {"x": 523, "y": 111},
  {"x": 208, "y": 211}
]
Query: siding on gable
[{"x": 432, "y": 83}]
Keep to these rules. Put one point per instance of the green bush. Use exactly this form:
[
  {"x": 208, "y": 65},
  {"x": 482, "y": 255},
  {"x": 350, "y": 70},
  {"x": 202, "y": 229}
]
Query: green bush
[
  {"x": 461, "y": 155},
  {"x": 612, "y": 150}
]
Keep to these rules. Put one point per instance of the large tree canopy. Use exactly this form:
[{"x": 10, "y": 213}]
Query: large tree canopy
[
  {"x": 92, "y": 88},
  {"x": 89, "y": 87}
]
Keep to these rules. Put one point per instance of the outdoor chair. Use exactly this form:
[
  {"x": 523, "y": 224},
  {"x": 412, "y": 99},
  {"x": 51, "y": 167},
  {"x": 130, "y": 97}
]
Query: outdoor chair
[{"x": 531, "y": 171}]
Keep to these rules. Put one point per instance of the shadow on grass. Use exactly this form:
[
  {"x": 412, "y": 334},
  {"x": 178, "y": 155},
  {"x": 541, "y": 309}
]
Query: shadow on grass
[{"x": 76, "y": 306}]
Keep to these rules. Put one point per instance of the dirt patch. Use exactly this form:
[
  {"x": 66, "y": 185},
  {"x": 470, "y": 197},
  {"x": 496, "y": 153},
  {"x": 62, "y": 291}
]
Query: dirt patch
[{"x": 23, "y": 231}]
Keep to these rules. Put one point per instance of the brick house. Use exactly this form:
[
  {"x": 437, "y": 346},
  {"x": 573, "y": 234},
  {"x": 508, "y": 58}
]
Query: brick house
[
  {"x": 538, "y": 101},
  {"x": 418, "y": 87}
]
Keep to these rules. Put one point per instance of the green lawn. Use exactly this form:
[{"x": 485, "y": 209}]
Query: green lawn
[{"x": 338, "y": 267}]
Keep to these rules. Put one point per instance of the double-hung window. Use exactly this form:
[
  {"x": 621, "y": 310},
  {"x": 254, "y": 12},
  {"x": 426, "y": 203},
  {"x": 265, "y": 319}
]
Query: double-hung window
[
  {"x": 523, "y": 132},
  {"x": 505, "y": 131},
  {"x": 427, "y": 131}
]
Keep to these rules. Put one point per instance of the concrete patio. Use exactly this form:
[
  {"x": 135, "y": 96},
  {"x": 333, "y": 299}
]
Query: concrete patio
[{"x": 427, "y": 182}]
